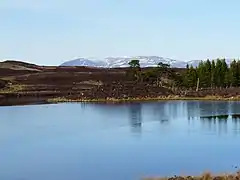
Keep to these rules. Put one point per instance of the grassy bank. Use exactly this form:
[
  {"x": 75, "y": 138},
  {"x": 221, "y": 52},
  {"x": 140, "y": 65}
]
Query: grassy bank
[
  {"x": 160, "y": 98},
  {"x": 205, "y": 176}
]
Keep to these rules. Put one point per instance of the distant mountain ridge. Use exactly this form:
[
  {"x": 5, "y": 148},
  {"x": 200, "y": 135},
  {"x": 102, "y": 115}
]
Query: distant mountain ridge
[{"x": 145, "y": 61}]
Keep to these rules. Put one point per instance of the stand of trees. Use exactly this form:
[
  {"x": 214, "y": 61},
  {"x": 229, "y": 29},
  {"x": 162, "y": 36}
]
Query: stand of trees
[
  {"x": 208, "y": 74},
  {"x": 152, "y": 76},
  {"x": 213, "y": 74}
]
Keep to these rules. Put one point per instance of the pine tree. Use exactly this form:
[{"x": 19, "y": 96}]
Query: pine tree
[
  {"x": 208, "y": 71},
  {"x": 213, "y": 74},
  {"x": 218, "y": 73},
  {"x": 234, "y": 73},
  {"x": 224, "y": 71},
  {"x": 191, "y": 77},
  {"x": 186, "y": 76},
  {"x": 134, "y": 69},
  {"x": 227, "y": 78},
  {"x": 238, "y": 72},
  {"x": 203, "y": 74}
]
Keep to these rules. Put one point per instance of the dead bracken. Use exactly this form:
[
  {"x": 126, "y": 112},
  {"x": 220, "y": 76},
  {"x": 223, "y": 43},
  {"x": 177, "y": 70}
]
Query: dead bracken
[{"x": 205, "y": 176}]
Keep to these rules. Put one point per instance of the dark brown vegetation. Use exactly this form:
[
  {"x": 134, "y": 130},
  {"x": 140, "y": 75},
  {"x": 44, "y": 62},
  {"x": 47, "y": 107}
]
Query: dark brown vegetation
[
  {"x": 31, "y": 83},
  {"x": 3, "y": 83}
]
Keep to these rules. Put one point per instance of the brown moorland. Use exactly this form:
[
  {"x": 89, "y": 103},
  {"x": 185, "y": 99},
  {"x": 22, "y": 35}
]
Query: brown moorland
[{"x": 24, "y": 83}]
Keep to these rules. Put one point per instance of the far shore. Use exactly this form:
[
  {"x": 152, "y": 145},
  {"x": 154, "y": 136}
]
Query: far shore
[
  {"x": 30, "y": 100},
  {"x": 16, "y": 98},
  {"x": 144, "y": 99},
  {"x": 22, "y": 84}
]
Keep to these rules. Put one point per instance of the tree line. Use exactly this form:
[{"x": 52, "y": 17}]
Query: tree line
[
  {"x": 208, "y": 74},
  {"x": 213, "y": 74}
]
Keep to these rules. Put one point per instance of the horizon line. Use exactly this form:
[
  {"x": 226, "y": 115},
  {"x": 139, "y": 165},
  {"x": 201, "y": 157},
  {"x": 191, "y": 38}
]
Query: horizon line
[{"x": 103, "y": 58}]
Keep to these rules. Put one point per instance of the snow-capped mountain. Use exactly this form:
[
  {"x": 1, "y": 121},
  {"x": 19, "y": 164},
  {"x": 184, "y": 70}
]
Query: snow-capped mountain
[
  {"x": 112, "y": 62},
  {"x": 145, "y": 61},
  {"x": 195, "y": 63},
  {"x": 84, "y": 62}
]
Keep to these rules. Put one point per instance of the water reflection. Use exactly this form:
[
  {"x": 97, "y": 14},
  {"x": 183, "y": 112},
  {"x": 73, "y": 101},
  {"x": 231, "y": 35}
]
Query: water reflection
[
  {"x": 211, "y": 117},
  {"x": 75, "y": 138},
  {"x": 215, "y": 123},
  {"x": 215, "y": 117},
  {"x": 135, "y": 113},
  {"x": 236, "y": 123},
  {"x": 160, "y": 113}
]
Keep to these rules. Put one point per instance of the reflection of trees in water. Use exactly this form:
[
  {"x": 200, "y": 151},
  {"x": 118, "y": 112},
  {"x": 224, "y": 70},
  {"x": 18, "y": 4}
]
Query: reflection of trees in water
[
  {"x": 83, "y": 105},
  {"x": 221, "y": 123},
  {"x": 214, "y": 108},
  {"x": 236, "y": 123},
  {"x": 215, "y": 123},
  {"x": 192, "y": 109},
  {"x": 219, "y": 115},
  {"x": 209, "y": 108},
  {"x": 214, "y": 116},
  {"x": 235, "y": 107},
  {"x": 136, "y": 116},
  {"x": 160, "y": 112},
  {"x": 164, "y": 112}
]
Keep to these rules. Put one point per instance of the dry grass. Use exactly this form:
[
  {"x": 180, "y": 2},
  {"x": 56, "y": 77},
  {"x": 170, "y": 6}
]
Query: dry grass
[
  {"x": 90, "y": 82},
  {"x": 204, "y": 176},
  {"x": 12, "y": 88},
  {"x": 160, "y": 98}
]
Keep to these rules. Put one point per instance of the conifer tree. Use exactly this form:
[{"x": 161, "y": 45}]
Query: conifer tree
[
  {"x": 190, "y": 79},
  {"x": 224, "y": 71},
  {"x": 238, "y": 72},
  {"x": 208, "y": 71},
  {"x": 202, "y": 74},
  {"x": 213, "y": 74},
  {"x": 234, "y": 73},
  {"x": 218, "y": 73},
  {"x": 227, "y": 78},
  {"x": 134, "y": 69}
]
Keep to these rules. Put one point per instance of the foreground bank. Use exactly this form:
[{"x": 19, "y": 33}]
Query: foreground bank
[{"x": 205, "y": 176}]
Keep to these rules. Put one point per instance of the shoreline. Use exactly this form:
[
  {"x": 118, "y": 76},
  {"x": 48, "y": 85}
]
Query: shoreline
[
  {"x": 204, "y": 176},
  {"x": 52, "y": 84},
  {"x": 29, "y": 100},
  {"x": 161, "y": 98}
]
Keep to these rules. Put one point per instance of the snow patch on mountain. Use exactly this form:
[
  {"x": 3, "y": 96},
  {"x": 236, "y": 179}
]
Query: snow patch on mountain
[
  {"x": 84, "y": 62},
  {"x": 113, "y": 62},
  {"x": 145, "y": 61}
]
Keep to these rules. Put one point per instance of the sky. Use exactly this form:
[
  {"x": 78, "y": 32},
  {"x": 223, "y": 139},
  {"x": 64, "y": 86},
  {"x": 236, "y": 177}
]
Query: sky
[{"x": 49, "y": 32}]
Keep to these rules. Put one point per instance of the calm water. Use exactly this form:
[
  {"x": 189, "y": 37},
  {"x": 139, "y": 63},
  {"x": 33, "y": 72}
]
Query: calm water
[{"x": 117, "y": 142}]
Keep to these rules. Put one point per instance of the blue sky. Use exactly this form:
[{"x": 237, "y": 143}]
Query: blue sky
[{"x": 52, "y": 31}]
